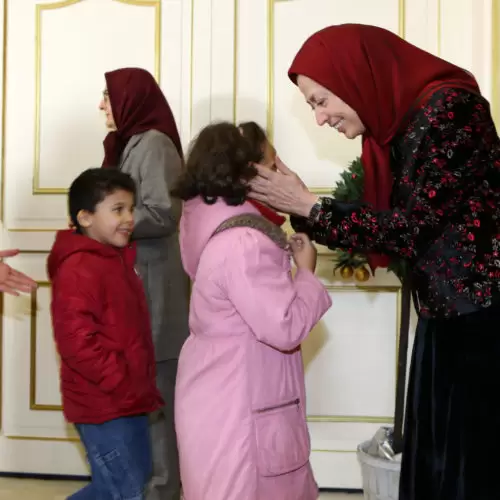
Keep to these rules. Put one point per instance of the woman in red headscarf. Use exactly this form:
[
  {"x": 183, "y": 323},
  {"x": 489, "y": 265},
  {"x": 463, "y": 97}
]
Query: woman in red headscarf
[
  {"x": 431, "y": 158},
  {"x": 143, "y": 141}
]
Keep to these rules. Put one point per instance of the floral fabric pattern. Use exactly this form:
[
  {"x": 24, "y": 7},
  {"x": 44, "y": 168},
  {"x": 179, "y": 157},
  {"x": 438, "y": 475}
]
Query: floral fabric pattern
[{"x": 446, "y": 207}]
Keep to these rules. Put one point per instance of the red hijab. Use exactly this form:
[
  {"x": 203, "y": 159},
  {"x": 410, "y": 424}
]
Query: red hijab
[
  {"x": 138, "y": 105},
  {"x": 383, "y": 78}
]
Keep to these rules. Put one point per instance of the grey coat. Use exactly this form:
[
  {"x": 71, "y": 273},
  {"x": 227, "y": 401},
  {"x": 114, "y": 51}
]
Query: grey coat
[{"x": 154, "y": 163}]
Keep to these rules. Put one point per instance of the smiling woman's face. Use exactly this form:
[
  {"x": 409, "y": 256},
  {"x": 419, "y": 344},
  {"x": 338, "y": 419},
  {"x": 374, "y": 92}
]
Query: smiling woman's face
[{"x": 330, "y": 109}]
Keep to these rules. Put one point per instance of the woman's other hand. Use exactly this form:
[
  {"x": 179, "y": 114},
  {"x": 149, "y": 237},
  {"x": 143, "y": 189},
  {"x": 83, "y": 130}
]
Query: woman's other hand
[
  {"x": 303, "y": 251},
  {"x": 282, "y": 189}
]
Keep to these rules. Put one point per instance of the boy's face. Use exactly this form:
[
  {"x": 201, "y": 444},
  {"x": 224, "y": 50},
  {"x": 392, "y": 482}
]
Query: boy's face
[{"x": 112, "y": 222}]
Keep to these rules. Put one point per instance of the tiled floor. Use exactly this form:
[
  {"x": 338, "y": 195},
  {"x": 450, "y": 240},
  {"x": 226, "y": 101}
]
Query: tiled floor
[{"x": 27, "y": 489}]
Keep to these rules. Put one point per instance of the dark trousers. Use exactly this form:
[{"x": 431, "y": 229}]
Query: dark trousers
[
  {"x": 166, "y": 482},
  {"x": 119, "y": 454},
  {"x": 451, "y": 450}
]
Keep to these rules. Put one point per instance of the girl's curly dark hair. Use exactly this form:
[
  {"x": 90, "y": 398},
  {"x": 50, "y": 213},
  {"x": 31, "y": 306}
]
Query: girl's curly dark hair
[
  {"x": 256, "y": 136},
  {"x": 219, "y": 165}
]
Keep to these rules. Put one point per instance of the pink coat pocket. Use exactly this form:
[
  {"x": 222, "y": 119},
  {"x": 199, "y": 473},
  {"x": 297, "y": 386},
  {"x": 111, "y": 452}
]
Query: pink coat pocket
[{"x": 282, "y": 436}]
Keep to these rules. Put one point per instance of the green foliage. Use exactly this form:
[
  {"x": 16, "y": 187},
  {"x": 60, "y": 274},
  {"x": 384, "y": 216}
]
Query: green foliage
[
  {"x": 350, "y": 186},
  {"x": 344, "y": 258},
  {"x": 399, "y": 267},
  {"x": 349, "y": 189}
]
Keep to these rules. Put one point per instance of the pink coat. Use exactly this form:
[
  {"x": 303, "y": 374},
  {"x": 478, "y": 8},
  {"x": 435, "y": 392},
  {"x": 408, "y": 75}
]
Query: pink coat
[{"x": 240, "y": 394}]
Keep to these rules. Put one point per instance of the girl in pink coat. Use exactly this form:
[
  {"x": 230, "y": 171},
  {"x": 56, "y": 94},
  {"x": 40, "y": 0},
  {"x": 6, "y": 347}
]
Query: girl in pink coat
[{"x": 240, "y": 393}]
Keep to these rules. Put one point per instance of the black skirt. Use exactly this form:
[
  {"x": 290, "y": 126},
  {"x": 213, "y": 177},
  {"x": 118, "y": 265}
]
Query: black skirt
[{"x": 452, "y": 429}]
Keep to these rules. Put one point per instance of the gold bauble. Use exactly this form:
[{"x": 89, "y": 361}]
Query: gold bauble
[
  {"x": 346, "y": 272},
  {"x": 362, "y": 274}
]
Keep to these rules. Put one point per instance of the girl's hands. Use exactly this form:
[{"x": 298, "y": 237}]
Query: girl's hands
[{"x": 304, "y": 253}]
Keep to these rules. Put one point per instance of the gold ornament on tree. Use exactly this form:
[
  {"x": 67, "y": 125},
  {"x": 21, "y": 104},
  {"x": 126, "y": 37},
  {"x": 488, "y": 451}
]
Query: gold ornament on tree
[
  {"x": 351, "y": 264},
  {"x": 346, "y": 272},
  {"x": 362, "y": 274}
]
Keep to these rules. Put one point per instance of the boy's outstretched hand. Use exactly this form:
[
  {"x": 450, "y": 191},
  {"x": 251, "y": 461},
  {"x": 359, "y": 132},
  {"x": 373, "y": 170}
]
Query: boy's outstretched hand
[{"x": 12, "y": 281}]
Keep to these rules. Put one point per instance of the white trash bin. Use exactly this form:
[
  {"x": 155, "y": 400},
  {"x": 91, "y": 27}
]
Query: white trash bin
[{"x": 380, "y": 476}]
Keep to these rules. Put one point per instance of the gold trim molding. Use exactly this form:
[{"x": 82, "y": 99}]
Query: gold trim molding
[
  {"x": 356, "y": 419},
  {"x": 1, "y": 358},
  {"x": 332, "y": 451},
  {"x": 270, "y": 56},
  {"x": 34, "y": 252},
  {"x": 310, "y": 418},
  {"x": 235, "y": 60},
  {"x": 270, "y": 70},
  {"x": 40, "y": 8},
  {"x": 68, "y": 439},
  {"x": 33, "y": 365},
  {"x": 4, "y": 113},
  {"x": 366, "y": 419},
  {"x": 322, "y": 191},
  {"x": 191, "y": 70},
  {"x": 495, "y": 62},
  {"x": 72, "y": 439},
  {"x": 33, "y": 229},
  {"x": 439, "y": 27},
  {"x": 350, "y": 419}
]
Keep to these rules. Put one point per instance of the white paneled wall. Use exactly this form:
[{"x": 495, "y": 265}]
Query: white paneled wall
[{"x": 216, "y": 59}]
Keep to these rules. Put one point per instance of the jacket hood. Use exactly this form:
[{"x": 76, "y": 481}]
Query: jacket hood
[
  {"x": 68, "y": 243},
  {"x": 198, "y": 222}
]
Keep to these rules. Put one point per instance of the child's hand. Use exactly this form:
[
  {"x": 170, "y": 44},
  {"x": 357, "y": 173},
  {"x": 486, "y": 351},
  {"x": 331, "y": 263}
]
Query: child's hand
[{"x": 303, "y": 251}]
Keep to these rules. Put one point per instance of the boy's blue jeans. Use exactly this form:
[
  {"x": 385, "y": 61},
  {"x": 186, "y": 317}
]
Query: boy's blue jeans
[{"x": 120, "y": 458}]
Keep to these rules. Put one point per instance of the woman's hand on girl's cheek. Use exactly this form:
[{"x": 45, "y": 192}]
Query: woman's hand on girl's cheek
[{"x": 283, "y": 190}]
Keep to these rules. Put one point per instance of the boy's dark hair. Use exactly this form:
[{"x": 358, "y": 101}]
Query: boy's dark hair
[
  {"x": 256, "y": 136},
  {"x": 218, "y": 166},
  {"x": 92, "y": 186}
]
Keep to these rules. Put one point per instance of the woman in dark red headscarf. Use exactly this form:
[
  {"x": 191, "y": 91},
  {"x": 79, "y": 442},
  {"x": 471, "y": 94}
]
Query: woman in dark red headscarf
[
  {"x": 144, "y": 142},
  {"x": 431, "y": 158}
]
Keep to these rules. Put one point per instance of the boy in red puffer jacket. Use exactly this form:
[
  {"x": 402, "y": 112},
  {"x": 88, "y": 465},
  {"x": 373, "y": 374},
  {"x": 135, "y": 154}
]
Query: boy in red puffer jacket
[{"x": 103, "y": 336}]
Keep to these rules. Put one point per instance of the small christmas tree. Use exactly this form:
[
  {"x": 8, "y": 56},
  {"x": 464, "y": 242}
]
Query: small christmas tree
[
  {"x": 350, "y": 189},
  {"x": 350, "y": 186}
]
